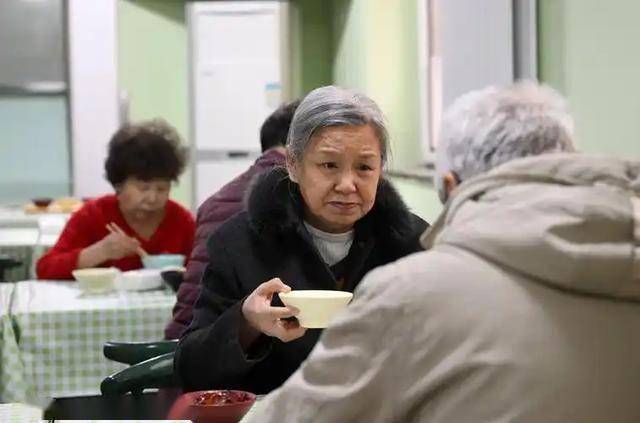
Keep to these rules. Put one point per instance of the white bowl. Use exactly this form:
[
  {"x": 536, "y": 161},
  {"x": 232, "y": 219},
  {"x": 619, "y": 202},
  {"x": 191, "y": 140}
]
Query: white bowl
[
  {"x": 317, "y": 307},
  {"x": 96, "y": 279},
  {"x": 160, "y": 261},
  {"x": 140, "y": 280}
]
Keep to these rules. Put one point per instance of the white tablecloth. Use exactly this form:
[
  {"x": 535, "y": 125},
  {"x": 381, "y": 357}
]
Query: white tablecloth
[
  {"x": 19, "y": 237},
  {"x": 15, "y": 217}
]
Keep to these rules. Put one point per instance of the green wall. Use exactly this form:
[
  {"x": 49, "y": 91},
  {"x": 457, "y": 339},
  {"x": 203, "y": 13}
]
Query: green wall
[
  {"x": 311, "y": 45},
  {"x": 369, "y": 45},
  {"x": 376, "y": 45},
  {"x": 420, "y": 198},
  {"x": 376, "y": 51},
  {"x": 588, "y": 51},
  {"x": 153, "y": 60},
  {"x": 153, "y": 67}
]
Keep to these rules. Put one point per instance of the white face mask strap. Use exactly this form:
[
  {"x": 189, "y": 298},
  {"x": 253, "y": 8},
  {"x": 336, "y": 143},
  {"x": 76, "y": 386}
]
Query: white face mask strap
[{"x": 635, "y": 210}]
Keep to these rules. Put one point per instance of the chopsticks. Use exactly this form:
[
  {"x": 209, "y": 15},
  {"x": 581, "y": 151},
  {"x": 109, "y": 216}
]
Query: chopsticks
[{"x": 114, "y": 228}]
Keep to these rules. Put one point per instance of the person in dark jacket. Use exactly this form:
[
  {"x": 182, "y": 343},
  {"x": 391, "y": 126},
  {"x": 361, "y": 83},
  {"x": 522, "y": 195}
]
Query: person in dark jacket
[
  {"x": 228, "y": 201},
  {"x": 321, "y": 223}
]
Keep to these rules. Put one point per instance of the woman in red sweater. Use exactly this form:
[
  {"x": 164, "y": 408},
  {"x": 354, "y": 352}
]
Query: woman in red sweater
[{"x": 142, "y": 162}]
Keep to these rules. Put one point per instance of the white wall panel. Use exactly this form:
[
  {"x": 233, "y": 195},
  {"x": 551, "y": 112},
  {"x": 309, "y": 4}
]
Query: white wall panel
[{"x": 94, "y": 90}]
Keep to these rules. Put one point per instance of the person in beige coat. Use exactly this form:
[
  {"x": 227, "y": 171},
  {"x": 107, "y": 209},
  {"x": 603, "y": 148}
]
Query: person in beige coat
[{"x": 525, "y": 306}]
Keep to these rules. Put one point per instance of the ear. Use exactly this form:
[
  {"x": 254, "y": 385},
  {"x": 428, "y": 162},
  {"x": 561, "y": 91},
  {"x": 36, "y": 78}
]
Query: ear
[
  {"x": 292, "y": 167},
  {"x": 451, "y": 182}
]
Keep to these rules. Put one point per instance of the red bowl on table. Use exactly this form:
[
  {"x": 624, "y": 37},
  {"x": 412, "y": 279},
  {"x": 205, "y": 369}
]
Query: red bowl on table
[
  {"x": 42, "y": 202},
  {"x": 219, "y": 406}
]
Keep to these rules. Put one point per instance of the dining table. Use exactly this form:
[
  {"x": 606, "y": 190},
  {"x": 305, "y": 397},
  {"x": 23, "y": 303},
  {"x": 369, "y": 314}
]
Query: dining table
[
  {"x": 52, "y": 335},
  {"x": 14, "y": 215},
  {"x": 26, "y": 236}
]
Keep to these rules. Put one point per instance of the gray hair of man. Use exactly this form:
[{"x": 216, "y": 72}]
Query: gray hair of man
[
  {"x": 333, "y": 106},
  {"x": 485, "y": 128}
]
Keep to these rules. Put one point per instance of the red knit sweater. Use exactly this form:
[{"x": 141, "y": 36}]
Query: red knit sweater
[{"x": 88, "y": 225}]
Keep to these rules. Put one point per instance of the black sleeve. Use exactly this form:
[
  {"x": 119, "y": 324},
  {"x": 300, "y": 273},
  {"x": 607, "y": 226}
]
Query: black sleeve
[
  {"x": 418, "y": 227},
  {"x": 209, "y": 355}
]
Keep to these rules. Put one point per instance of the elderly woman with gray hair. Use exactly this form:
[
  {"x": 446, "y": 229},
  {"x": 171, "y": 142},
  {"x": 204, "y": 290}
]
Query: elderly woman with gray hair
[{"x": 321, "y": 223}]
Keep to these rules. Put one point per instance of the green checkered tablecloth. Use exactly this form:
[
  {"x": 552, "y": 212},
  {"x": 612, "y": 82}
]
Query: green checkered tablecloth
[
  {"x": 11, "y": 368},
  {"x": 59, "y": 334}
]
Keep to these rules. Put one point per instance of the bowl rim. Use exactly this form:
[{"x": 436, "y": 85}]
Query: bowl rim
[
  {"x": 109, "y": 270},
  {"x": 175, "y": 269},
  {"x": 143, "y": 271},
  {"x": 194, "y": 393},
  {"x": 167, "y": 255},
  {"x": 333, "y": 294}
]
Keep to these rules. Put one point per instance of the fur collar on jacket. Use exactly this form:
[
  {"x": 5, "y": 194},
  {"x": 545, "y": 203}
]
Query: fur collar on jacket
[{"x": 274, "y": 205}]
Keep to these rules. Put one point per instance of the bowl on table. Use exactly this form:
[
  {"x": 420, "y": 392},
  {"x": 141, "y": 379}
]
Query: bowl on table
[
  {"x": 96, "y": 280},
  {"x": 140, "y": 280},
  {"x": 161, "y": 261},
  {"x": 212, "y": 406},
  {"x": 173, "y": 276},
  {"x": 42, "y": 202},
  {"x": 317, "y": 307}
]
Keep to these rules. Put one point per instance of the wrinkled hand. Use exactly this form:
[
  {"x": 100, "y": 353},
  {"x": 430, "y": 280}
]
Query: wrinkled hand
[
  {"x": 260, "y": 315},
  {"x": 116, "y": 246}
]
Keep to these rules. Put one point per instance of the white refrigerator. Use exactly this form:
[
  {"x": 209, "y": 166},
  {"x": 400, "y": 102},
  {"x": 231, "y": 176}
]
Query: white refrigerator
[{"x": 236, "y": 81}]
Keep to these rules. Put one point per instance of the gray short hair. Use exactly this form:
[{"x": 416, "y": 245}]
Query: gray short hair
[
  {"x": 333, "y": 106},
  {"x": 483, "y": 129}
]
